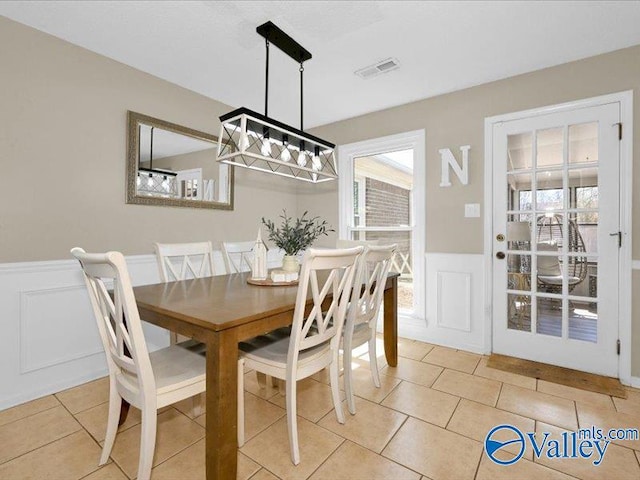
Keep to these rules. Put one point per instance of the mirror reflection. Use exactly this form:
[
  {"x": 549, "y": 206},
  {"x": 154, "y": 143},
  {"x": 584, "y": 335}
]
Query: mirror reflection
[{"x": 175, "y": 166}]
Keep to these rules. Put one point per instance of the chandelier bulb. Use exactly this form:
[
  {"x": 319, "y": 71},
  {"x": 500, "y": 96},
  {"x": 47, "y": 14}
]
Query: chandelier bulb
[
  {"x": 265, "y": 149},
  {"x": 316, "y": 164},
  {"x": 244, "y": 142},
  {"x": 285, "y": 155},
  {"x": 302, "y": 158}
]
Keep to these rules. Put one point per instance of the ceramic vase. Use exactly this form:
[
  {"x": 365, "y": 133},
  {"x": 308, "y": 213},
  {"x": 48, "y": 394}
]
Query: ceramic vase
[{"x": 290, "y": 263}]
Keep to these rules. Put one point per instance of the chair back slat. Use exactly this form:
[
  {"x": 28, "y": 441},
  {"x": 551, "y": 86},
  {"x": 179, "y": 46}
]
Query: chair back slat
[
  {"x": 183, "y": 261},
  {"x": 117, "y": 316},
  {"x": 322, "y": 325},
  {"x": 373, "y": 267},
  {"x": 238, "y": 256}
]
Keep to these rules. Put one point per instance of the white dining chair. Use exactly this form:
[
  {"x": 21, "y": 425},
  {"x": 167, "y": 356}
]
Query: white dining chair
[
  {"x": 314, "y": 340},
  {"x": 362, "y": 316},
  {"x": 147, "y": 381},
  {"x": 238, "y": 256},
  {"x": 182, "y": 261}
]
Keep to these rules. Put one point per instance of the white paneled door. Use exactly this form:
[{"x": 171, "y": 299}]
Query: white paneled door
[{"x": 556, "y": 223}]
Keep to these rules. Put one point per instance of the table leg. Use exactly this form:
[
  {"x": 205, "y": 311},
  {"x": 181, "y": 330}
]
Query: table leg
[
  {"x": 390, "y": 330},
  {"x": 222, "y": 405}
]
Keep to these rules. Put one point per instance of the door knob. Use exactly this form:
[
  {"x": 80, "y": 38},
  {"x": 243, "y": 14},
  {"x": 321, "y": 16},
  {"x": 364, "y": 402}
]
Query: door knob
[{"x": 500, "y": 255}]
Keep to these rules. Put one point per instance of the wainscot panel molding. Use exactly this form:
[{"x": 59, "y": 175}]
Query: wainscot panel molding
[
  {"x": 49, "y": 338},
  {"x": 455, "y": 293}
]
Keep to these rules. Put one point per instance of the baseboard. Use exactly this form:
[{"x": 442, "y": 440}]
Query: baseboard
[
  {"x": 51, "y": 388},
  {"x": 633, "y": 382}
]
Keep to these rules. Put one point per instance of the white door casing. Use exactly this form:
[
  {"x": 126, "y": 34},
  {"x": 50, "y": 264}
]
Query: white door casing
[{"x": 414, "y": 140}]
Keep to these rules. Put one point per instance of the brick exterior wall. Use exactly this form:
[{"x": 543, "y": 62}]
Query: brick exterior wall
[{"x": 388, "y": 205}]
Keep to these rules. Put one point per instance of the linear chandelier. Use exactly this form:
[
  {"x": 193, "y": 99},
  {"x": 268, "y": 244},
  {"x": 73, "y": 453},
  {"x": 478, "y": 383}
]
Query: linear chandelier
[
  {"x": 251, "y": 140},
  {"x": 156, "y": 182}
]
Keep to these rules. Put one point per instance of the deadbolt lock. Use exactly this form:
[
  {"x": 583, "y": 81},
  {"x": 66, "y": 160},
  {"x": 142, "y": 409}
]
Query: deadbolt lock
[{"x": 500, "y": 237}]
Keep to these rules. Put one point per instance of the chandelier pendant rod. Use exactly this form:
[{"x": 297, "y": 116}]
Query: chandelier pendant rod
[
  {"x": 266, "y": 81},
  {"x": 301, "y": 96}
]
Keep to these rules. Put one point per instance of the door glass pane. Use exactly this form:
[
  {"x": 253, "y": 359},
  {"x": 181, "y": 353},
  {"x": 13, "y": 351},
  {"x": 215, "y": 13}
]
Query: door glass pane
[
  {"x": 550, "y": 231},
  {"x": 519, "y": 274},
  {"x": 550, "y": 193},
  {"x": 519, "y": 153},
  {"x": 587, "y": 197},
  {"x": 519, "y": 312},
  {"x": 519, "y": 191},
  {"x": 549, "y": 316},
  {"x": 518, "y": 235},
  {"x": 549, "y": 147},
  {"x": 583, "y": 321},
  {"x": 583, "y": 143},
  {"x": 585, "y": 178},
  {"x": 549, "y": 271}
]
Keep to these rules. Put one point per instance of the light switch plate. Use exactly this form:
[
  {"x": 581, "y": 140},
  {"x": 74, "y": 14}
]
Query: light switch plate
[{"x": 471, "y": 210}]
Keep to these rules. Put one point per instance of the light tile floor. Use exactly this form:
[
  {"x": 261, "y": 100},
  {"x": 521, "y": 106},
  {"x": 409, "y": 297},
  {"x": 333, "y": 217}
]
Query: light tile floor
[{"x": 427, "y": 422}]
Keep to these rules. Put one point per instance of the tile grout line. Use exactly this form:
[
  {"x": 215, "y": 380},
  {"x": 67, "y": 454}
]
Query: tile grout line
[
  {"x": 31, "y": 414},
  {"x": 536, "y": 422},
  {"x": 394, "y": 435},
  {"x": 38, "y": 448},
  {"x": 390, "y": 392},
  {"x": 182, "y": 449},
  {"x": 385, "y": 446},
  {"x": 79, "y": 386},
  {"x": 475, "y": 475},
  {"x": 525, "y": 416},
  {"x": 93, "y": 439},
  {"x": 452, "y": 414},
  {"x": 499, "y": 394},
  {"x": 328, "y": 456},
  {"x": 272, "y": 423},
  {"x": 262, "y": 467}
]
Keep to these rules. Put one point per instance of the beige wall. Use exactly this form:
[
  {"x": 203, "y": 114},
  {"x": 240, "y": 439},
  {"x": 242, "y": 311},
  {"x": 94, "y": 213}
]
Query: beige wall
[
  {"x": 457, "y": 119},
  {"x": 63, "y": 114}
]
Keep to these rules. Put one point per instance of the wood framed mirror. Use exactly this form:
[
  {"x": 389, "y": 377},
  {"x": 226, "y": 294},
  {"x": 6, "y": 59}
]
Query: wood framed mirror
[{"x": 175, "y": 166}]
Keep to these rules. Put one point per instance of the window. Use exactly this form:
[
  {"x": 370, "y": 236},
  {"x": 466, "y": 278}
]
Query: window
[{"x": 382, "y": 197}]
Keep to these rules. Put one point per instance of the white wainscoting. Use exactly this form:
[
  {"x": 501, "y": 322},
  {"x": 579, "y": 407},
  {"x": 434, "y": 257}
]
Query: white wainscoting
[
  {"x": 49, "y": 338},
  {"x": 455, "y": 296}
]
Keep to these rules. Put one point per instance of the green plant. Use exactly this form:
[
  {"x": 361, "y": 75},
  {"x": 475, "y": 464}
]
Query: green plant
[{"x": 293, "y": 237}]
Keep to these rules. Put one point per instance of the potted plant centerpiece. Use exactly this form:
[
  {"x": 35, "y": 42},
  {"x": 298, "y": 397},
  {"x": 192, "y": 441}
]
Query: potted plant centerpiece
[{"x": 295, "y": 236}]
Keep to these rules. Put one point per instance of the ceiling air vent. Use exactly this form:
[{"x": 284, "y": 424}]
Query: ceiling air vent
[{"x": 383, "y": 66}]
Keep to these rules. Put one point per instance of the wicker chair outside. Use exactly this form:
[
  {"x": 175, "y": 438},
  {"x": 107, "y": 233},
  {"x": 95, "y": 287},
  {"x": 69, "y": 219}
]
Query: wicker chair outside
[{"x": 550, "y": 230}]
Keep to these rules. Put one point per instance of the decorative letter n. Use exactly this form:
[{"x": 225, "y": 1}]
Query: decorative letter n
[{"x": 448, "y": 160}]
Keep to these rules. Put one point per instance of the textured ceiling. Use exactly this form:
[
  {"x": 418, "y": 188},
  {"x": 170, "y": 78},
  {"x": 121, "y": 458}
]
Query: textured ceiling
[{"x": 212, "y": 48}]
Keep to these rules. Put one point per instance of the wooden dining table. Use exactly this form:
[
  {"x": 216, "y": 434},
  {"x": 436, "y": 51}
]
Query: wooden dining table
[{"x": 221, "y": 311}]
